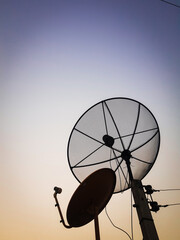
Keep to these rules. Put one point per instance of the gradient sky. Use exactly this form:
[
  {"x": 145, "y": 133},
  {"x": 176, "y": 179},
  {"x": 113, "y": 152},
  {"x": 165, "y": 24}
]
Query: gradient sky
[{"x": 57, "y": 59}]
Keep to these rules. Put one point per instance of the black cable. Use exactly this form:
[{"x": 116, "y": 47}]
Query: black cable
[
  {"x": 170, "y": 3},
  {"x": 132, "y": 235},
  {"x": 167, "y": 205},
  {"x": 116, "y": 226},
  {"x": 160, "y": 190}
]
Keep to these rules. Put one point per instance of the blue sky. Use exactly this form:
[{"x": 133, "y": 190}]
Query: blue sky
[{"x": 58, "y": 58}]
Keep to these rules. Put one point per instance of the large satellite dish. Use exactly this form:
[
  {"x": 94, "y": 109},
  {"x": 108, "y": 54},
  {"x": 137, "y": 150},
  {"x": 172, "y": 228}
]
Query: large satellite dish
[{"x": 111, "y": 134}]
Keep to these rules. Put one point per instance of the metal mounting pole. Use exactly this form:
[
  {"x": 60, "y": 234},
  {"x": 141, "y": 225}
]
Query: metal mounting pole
[
  {"x": 145, "y": 218},
  {"x": 96, "y": 225}
]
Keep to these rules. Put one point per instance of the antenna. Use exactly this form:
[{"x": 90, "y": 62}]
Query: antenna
[{"x": 123, "y": 135}]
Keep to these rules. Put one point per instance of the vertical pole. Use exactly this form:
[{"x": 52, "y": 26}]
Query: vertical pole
[
  {"x": 96, "y": 225},
  {"x": 145, "y": 218}
]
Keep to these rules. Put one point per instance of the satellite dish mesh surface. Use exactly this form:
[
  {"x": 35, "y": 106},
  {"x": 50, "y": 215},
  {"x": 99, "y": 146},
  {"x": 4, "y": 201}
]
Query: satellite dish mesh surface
[{"x": 108, "y": 130}]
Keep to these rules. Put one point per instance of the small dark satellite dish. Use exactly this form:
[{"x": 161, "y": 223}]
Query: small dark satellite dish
[{"x": 91, "y": 197}]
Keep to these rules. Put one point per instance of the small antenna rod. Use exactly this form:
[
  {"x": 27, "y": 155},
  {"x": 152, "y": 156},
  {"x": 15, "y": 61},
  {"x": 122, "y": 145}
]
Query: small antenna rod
[{"x": 58, "y": 191}]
